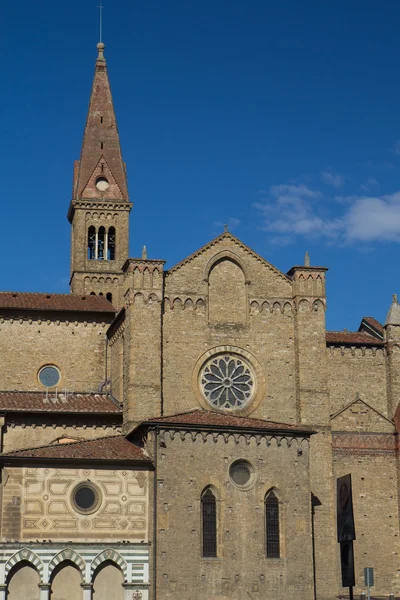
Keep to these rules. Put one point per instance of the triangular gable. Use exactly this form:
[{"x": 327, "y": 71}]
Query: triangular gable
[
  {"x": 226, "y": 235},
  {"x": 360, "y": 416},
  {"x": 102, "y": 169},
  {"x": 264, "y": 279}
]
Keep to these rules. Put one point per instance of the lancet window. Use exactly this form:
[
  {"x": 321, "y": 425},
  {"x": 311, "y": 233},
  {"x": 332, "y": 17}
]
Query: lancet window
[
  {"x": 272, "y": 525},
  {"x": 101, "y": 243},
  {"x": 209, "y": 524}
]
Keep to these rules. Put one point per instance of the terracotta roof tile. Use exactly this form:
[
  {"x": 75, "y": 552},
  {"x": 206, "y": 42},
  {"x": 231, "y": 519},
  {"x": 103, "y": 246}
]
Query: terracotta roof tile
[
  {"x": 54, "y": 302},
  {"x": 214, "y": 419},
  {"x": 72, "y": 403},
  {"x": 115, "y": 448},
  {"x": 374, "y": 324},
  {"x": 352, "y": 338}
]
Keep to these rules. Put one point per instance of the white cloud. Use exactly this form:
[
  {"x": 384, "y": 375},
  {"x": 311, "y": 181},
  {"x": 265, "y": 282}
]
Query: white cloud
[
  {"x": 333, "y": 179},
  {"x": 297, "y": 211},
  {"x": 374, "y": 219}
]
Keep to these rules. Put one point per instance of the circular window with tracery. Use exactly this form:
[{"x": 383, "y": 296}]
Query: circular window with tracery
[{"x": 227, "y": 382}]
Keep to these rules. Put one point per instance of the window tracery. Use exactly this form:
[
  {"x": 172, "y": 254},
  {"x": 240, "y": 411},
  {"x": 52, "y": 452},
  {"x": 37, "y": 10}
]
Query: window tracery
[{"x": 227, "y": 382}]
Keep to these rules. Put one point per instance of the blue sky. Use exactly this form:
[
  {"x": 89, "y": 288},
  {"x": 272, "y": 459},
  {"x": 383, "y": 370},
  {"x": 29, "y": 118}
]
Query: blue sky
[{"x": 281, "y": 119}]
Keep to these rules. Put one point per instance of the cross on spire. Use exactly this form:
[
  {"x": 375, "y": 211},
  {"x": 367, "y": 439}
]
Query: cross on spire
[{"x": 101, "y": 8}]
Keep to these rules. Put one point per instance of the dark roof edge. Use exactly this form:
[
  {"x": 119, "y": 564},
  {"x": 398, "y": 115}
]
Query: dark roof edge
[
  {"x": 234, "y": 428},
  {"x": 5, "y": 459}
]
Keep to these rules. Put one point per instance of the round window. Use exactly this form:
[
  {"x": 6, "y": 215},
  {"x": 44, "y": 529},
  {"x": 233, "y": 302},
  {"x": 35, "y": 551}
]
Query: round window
[
  {"x": 227, "y": 382},
  {"x": 49, "y": 376},
  {"x": 102, "y": 184},
  {"x": 86, "y": 498},
  {"x": 242, "y": 474}
]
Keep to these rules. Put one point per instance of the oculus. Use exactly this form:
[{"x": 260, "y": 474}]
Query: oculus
[
  {"x": 86, "y": 498},
  {"x": 49, "y": 376},
  {"x": 102, "y": 184},
  {"x": 242, "y": 474},
  {"x": 227, "y": 382}
]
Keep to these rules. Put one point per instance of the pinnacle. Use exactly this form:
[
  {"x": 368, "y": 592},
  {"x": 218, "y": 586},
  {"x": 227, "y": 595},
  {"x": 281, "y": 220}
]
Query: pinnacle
[{"x": 100, "y": 48}]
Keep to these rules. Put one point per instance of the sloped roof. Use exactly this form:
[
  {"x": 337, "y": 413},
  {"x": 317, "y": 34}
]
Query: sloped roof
[
  {"x": 207, "y": 418},
  {"x": 352, "y": 338},
  {"x": 71, "y": 403},
  {"x": 393, "y": 316},
  {"x": 373, "y": 323},
  {"x": 55, "y": 302},
  {"x": 114, "y": 448}
]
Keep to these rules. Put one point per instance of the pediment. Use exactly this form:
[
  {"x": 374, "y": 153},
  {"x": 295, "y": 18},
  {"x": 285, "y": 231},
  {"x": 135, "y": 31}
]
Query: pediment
[
  {"x": 264, "y": 280},
  {"x": 360, "y": 416},
  {"x": 103, "y": 170}
]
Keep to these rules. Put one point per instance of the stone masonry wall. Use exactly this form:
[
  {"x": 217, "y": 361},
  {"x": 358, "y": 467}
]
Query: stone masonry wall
[
  {"x": 185, "y": 466},
  {"x": 75, "y": 346},
  {"x": 361, "y": 371},
  {"x": 374, "y": 482}
]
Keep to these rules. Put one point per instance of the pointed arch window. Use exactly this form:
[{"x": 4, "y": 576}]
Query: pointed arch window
[
  {"x": 272, "y": 525},
  {"x": 100, "y": 243},
  {"x": 209, "y": 524},
  {"x": 111, "y": 243},
  {"x": 91, "y": 245},
  {"x": 109, "y": 296}
]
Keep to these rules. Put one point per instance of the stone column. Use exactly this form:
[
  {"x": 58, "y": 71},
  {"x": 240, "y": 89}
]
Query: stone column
[
  {"x": 87, "y": 590},
  {"x": 44, "y": 591},
  {"x": 3, "y": 592}
]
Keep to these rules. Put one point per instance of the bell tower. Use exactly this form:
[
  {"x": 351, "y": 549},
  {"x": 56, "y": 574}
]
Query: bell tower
[{"x": 100, "y": 207}]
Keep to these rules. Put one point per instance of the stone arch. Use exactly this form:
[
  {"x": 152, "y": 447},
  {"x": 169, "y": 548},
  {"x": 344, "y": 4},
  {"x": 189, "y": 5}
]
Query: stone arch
[
  {"x": 188, "y": 303},
  {"x": 227, "y": 255},
  {"x": 112, "y": 556},
  {"x": 318, "y": 305},
  {"x": 67, "y": 555},
  {"x": 177, "y": 303},
  {"x": 287, "y": 308},
  {"x": 227, "y": 290},
  {"x": 200, "y": 303},
  {"x": 265, "y": 307},
  {"x": 254, "y": 306},
  {"x": 304, "y": 306},
  {"x": 24, "y": 555},
  {"x": 147, "y": 279},
  {"x": 23, "y": 580}
]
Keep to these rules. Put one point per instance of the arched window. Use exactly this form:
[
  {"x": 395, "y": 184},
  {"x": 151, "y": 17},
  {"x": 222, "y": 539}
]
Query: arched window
[
  {"x": 92, "y": 293},
  {"x": 100, "y": 243},
  {"x": 111, "y": 244},
  {"x": 91, "y": 246},
  {"x": 209, "y": 524},
  {"x": 272, "y": 525},
  {"x": 109, "y": 296}
]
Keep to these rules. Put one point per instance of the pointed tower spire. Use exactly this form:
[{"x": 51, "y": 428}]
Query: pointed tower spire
[
  {"x": 101, "y": 170},
  {"x": 100, "y": 207}
]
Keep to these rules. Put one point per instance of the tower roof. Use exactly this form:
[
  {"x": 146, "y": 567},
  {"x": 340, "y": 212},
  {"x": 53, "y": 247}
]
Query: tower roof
[
  {"x": 100, "y": 173},
  {"x": 393, "y": 316}
]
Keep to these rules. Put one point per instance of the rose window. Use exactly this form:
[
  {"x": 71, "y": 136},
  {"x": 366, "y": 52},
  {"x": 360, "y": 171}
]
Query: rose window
[{"x": 227, "y": 382}]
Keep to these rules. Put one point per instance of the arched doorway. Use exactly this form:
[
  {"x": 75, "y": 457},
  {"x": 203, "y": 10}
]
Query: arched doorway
[
  {"x": 108, "y": 582},
  {"x": 66, "y": 582},
  {"x": 23, "y": 582}
]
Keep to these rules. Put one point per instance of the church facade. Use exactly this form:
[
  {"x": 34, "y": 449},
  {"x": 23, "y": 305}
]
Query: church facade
[{"x": 178, "y": 433}]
